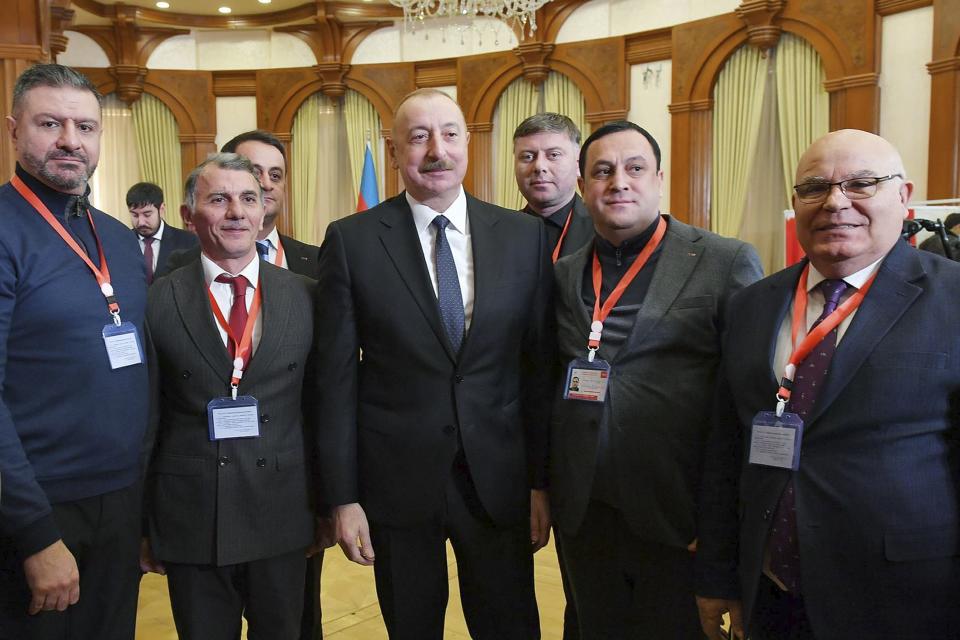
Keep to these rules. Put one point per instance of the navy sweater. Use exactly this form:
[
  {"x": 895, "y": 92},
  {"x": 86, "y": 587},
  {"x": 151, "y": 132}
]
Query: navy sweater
[{"x": 70, "y": 427}]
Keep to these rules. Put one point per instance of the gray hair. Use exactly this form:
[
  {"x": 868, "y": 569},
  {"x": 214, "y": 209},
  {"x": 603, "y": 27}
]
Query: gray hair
[
  {"x": 548, "y": 123},
  {"x": 228, "y": 161},
  {"x": 50, "y": 75}
]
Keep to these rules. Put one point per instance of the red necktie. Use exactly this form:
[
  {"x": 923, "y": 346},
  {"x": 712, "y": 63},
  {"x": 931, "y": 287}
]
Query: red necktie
[
  {"x": 148, "y": 257},
  {"x": 238, "y": 310}
]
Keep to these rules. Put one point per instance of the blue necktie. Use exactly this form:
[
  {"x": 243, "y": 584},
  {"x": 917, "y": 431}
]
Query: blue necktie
[
  {"x": 263, "y": 248},
  {"x": 448, "y": 287}
]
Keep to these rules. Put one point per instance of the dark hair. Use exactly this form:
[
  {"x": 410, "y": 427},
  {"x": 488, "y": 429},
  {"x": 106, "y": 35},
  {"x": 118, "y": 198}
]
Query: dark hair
[
  {"x": 951, "y": 221},
  {"x": 50, "y": 75},
  {"x": 617, "y": 127},
  {"x": 229, "y": 161},
  {"x": 257, "y": 135},
  {"x": 548, "y": 122},
  {"x": 144, "y": 193}
]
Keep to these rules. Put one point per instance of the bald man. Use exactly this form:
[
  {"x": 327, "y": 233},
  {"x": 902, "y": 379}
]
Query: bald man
[
  {"x": 439, "y": 433},
  {"x": 848, "y": 518}
]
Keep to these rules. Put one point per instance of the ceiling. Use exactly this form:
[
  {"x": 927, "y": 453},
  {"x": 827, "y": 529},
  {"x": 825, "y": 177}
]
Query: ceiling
[{"x": 211, "y": 7}]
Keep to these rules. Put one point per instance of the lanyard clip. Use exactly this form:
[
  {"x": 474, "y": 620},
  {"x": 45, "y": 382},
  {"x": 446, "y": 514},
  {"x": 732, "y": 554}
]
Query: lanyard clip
[
  {"x": 233, "y": 391},
  {"x": 116, "y": 318},
  {"x": 591, "y": 353}
]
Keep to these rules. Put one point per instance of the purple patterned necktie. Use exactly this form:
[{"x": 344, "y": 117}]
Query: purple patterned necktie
[
  {"x": 783, "y": 544},
  {"x": 449, "y": 296}
]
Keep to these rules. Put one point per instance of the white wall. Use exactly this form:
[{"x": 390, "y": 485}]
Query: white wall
[
  {"x": 82, "y": 51},
  {"x": 232, "y": 50},
  {"x": 440, "y": 38},
  {"x": 648, "y": 108},
  {"x": 605, "y": 18},
  {"x": 235, "y": 114},
  {"x": 906, "y": 47}
]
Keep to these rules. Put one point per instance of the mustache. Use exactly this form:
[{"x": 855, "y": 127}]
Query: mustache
[
  {"x": 235, "y": 226},
  {"x": 65, "y": 155},
  {"x": 437, "y": 165}
]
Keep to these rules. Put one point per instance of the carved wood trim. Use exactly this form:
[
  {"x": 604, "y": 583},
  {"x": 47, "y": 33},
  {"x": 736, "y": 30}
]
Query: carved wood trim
[
  {"x": 234, "y": 83},
  {"x": 436, "y": 73},
  {"x": 890, "y": 7},
  {"x": 31, "y": 52},
  {"x": 649, "y": 46}
]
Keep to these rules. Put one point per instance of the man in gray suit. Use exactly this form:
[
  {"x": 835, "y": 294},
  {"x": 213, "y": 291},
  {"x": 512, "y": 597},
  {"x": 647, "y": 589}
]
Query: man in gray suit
[
  {"x": 637, "y": 315},
  {"x": 228, "y": 507}
]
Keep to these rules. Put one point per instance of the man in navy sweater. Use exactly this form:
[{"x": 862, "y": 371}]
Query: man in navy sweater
[{"x": 74, "y": 400}]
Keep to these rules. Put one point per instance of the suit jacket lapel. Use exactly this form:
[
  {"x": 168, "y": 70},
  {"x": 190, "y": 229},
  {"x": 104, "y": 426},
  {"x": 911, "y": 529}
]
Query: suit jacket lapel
[
  {"x": 487, "y": 254},
  {"x": 275, "y": 314},
  {"x": 572, "y": 289},
  {"x": 889, "y": 297},
  {"x": 399, "y": 237},
  {"x": 193, "y": 305}
]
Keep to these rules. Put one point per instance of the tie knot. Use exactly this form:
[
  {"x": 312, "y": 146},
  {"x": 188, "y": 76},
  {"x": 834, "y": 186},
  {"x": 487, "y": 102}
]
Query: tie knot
[
  {"x": 263, "y": 248},
  {"x": 239, "y": 283},
  {"x": 148, "y": 240},
  {"x": 832, "y": 290},
  {"x": 441, "y": 222}
]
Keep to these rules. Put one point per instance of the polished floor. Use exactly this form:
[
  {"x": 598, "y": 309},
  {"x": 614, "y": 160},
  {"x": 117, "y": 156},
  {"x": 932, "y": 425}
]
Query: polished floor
[{"x": 350, "y": 610}]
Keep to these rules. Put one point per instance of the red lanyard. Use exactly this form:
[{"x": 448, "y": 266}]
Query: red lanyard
[
  {"x": 600, "y": 312},
  {"x": 813, "y": 338},
  {"x": 102, "y": 273},
  {"x": 241, "y": 346},
  {"x": 563, "y": 234}
]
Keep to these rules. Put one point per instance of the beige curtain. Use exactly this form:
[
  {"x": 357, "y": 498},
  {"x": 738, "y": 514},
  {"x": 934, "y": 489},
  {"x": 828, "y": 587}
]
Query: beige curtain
[
  {"x": 518, "y": 101},
  {"x": 738, "y": 98},
  {"x": 321, "y": 184},
  {"x": 119, "y": 167},
  {"x": 158, "y": 148},
  {"x": 363, "y": 126},
  {"x": 561, "y": 95},
  {"x": 803, "y": 105}
]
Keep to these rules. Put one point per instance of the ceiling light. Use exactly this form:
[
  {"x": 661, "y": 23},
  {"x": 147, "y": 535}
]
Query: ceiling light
[
  {"x": 224, "y": 9},
  {"x": 520, "y": 12},
  {"x": 163, "y": 5},
  {"x": 265, "y": 1}
]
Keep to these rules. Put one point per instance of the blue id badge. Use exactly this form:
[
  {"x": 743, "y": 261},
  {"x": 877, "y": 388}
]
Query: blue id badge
[
  {"x": 587, "y": 380},
  {"x": 123, "y": 344},
  {"x": 233, "y": 418},
  {"x": 775, "y": 441}
]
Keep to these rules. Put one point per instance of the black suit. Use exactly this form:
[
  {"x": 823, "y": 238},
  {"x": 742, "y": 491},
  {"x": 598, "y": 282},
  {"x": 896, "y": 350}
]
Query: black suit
[
  {"x": 579, "y": 232},
  {"x": 396, "y": 423},
  {"x": 238, "y": 502},
  {"x": 302, "y": 258}
]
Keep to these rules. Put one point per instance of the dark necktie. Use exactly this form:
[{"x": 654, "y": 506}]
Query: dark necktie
[
  {"x": 263, "y": 248},
  {"x": 148, "y": 258},
  {"x": 811, "y": 374},
  {"x": 238, "y": 310},
  {"x": 448, "y": 287}
]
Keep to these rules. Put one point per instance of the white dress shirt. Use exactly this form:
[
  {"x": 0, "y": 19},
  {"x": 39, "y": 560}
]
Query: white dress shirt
[
  {"x": 815, "y": 303},
  {"x": 223, "y": 294},
  {"x": 458, "y": 236},
  {"x": 157, "y": 237},
  {"x": 273, "y": 241}
]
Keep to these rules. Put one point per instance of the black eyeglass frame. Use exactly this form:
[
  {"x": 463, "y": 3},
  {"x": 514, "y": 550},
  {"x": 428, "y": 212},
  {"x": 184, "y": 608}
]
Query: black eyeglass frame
[{"x": 843, "y": 189}]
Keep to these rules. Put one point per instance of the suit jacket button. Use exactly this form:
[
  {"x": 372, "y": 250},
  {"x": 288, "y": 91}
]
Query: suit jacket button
[
  {"x": 223, "y": 461},
  {"x": 767, "y": 513},
  {"x": 459, "y": 379},
  {"x": 265, "y": 417},
  {"x": 292, "y": 366},
  {"x": 261, "y": 462},
  {"x": 185, "y": 375},
  {"x": 448, "y": 429}
]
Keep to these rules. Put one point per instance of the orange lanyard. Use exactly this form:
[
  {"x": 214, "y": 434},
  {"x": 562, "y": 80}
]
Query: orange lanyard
[
  {"x": 278, "y": 261},
  {"x": 600, "y": 312},
  {"x": 563, "y": 234},
  {"x": 241, "y": 346},
  {"x": 813, "y": 338},
  {"x": 102, "y": 273}
]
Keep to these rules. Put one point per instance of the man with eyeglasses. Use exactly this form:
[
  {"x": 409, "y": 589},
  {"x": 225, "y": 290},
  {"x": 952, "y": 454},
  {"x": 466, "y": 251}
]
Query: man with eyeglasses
[{"x": 830, "y": 496}]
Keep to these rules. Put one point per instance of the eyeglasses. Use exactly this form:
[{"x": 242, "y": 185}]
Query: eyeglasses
[{"x": 853, "y": 188}]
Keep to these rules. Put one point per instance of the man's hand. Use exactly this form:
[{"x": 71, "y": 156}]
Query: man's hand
[
  {"x": 149, "y": 564},
  {"x": 353, "y": 533},
  {"x": 539, "y": 519},
  {"x": 53, "y": 578},
  {"x": 324, "y": 536},
  {"x": 711, "y": 617}
]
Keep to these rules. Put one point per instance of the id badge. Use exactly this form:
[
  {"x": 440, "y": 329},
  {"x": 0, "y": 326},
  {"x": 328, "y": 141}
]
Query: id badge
[
  {"x": 587, "y": 380},
  {"x": 775, "y": 442},
  {"x": 123, "y": 345},
  {"x": 228, "y": 418}
]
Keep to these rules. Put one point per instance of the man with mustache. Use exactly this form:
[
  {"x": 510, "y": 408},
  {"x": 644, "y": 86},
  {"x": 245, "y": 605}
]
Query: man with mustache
[
  {"x": 830, "y": 491},
  {"x": 638, "y": 322},
  {"x": 229, "y": 504},
  {"x": 74, "y": 400},
  {"x": 157, "y": 239},
  {"x": 437, "y": 431}
]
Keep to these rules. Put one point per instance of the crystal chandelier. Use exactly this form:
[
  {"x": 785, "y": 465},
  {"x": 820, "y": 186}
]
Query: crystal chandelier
[{"x": 521, "y": 12}]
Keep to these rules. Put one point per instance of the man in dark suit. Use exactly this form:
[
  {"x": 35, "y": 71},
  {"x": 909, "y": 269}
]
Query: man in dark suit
[
  {"x": 439, "y": 430},
  {"x": 157, "y": 239},
  {"x": 849, "y": 528},
  {"x": 625, "y": 464},
  {"x": 229, "y": 508},
  {"x": 545, "y": 152}
]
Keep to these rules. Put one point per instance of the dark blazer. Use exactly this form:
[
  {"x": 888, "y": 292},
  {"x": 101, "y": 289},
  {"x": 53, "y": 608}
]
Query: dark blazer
[
  {"x": 391, "y": 422},
  {"x": 581, "y": 229},
  {"x": 302, "y": 258},
  {"x": 877, "y": 492},
  {"x": 659, "y": 396},
  {"x": 174, "y": 240},
  {"x": 235, "y": 500}
]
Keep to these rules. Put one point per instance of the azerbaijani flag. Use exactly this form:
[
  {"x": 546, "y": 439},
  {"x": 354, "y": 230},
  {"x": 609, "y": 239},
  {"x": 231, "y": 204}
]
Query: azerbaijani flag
[
  {"x": 793, "y": 252},
  {"x": 368, "y": 196}
]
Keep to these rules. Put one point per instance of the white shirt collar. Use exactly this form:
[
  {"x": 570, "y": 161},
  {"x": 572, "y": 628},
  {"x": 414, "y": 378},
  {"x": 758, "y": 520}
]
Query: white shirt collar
[
  {"x": 855, "y": 280},
  {"x": 273, "y": 238},
  {"x": 158, "y": 236},
  {"x": 211, "y": 270},
  {"x": 456, "y": 213}
]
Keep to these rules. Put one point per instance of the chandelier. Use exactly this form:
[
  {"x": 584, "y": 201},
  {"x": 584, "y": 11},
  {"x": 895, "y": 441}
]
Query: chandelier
[{"x": 520, "y": 12}]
